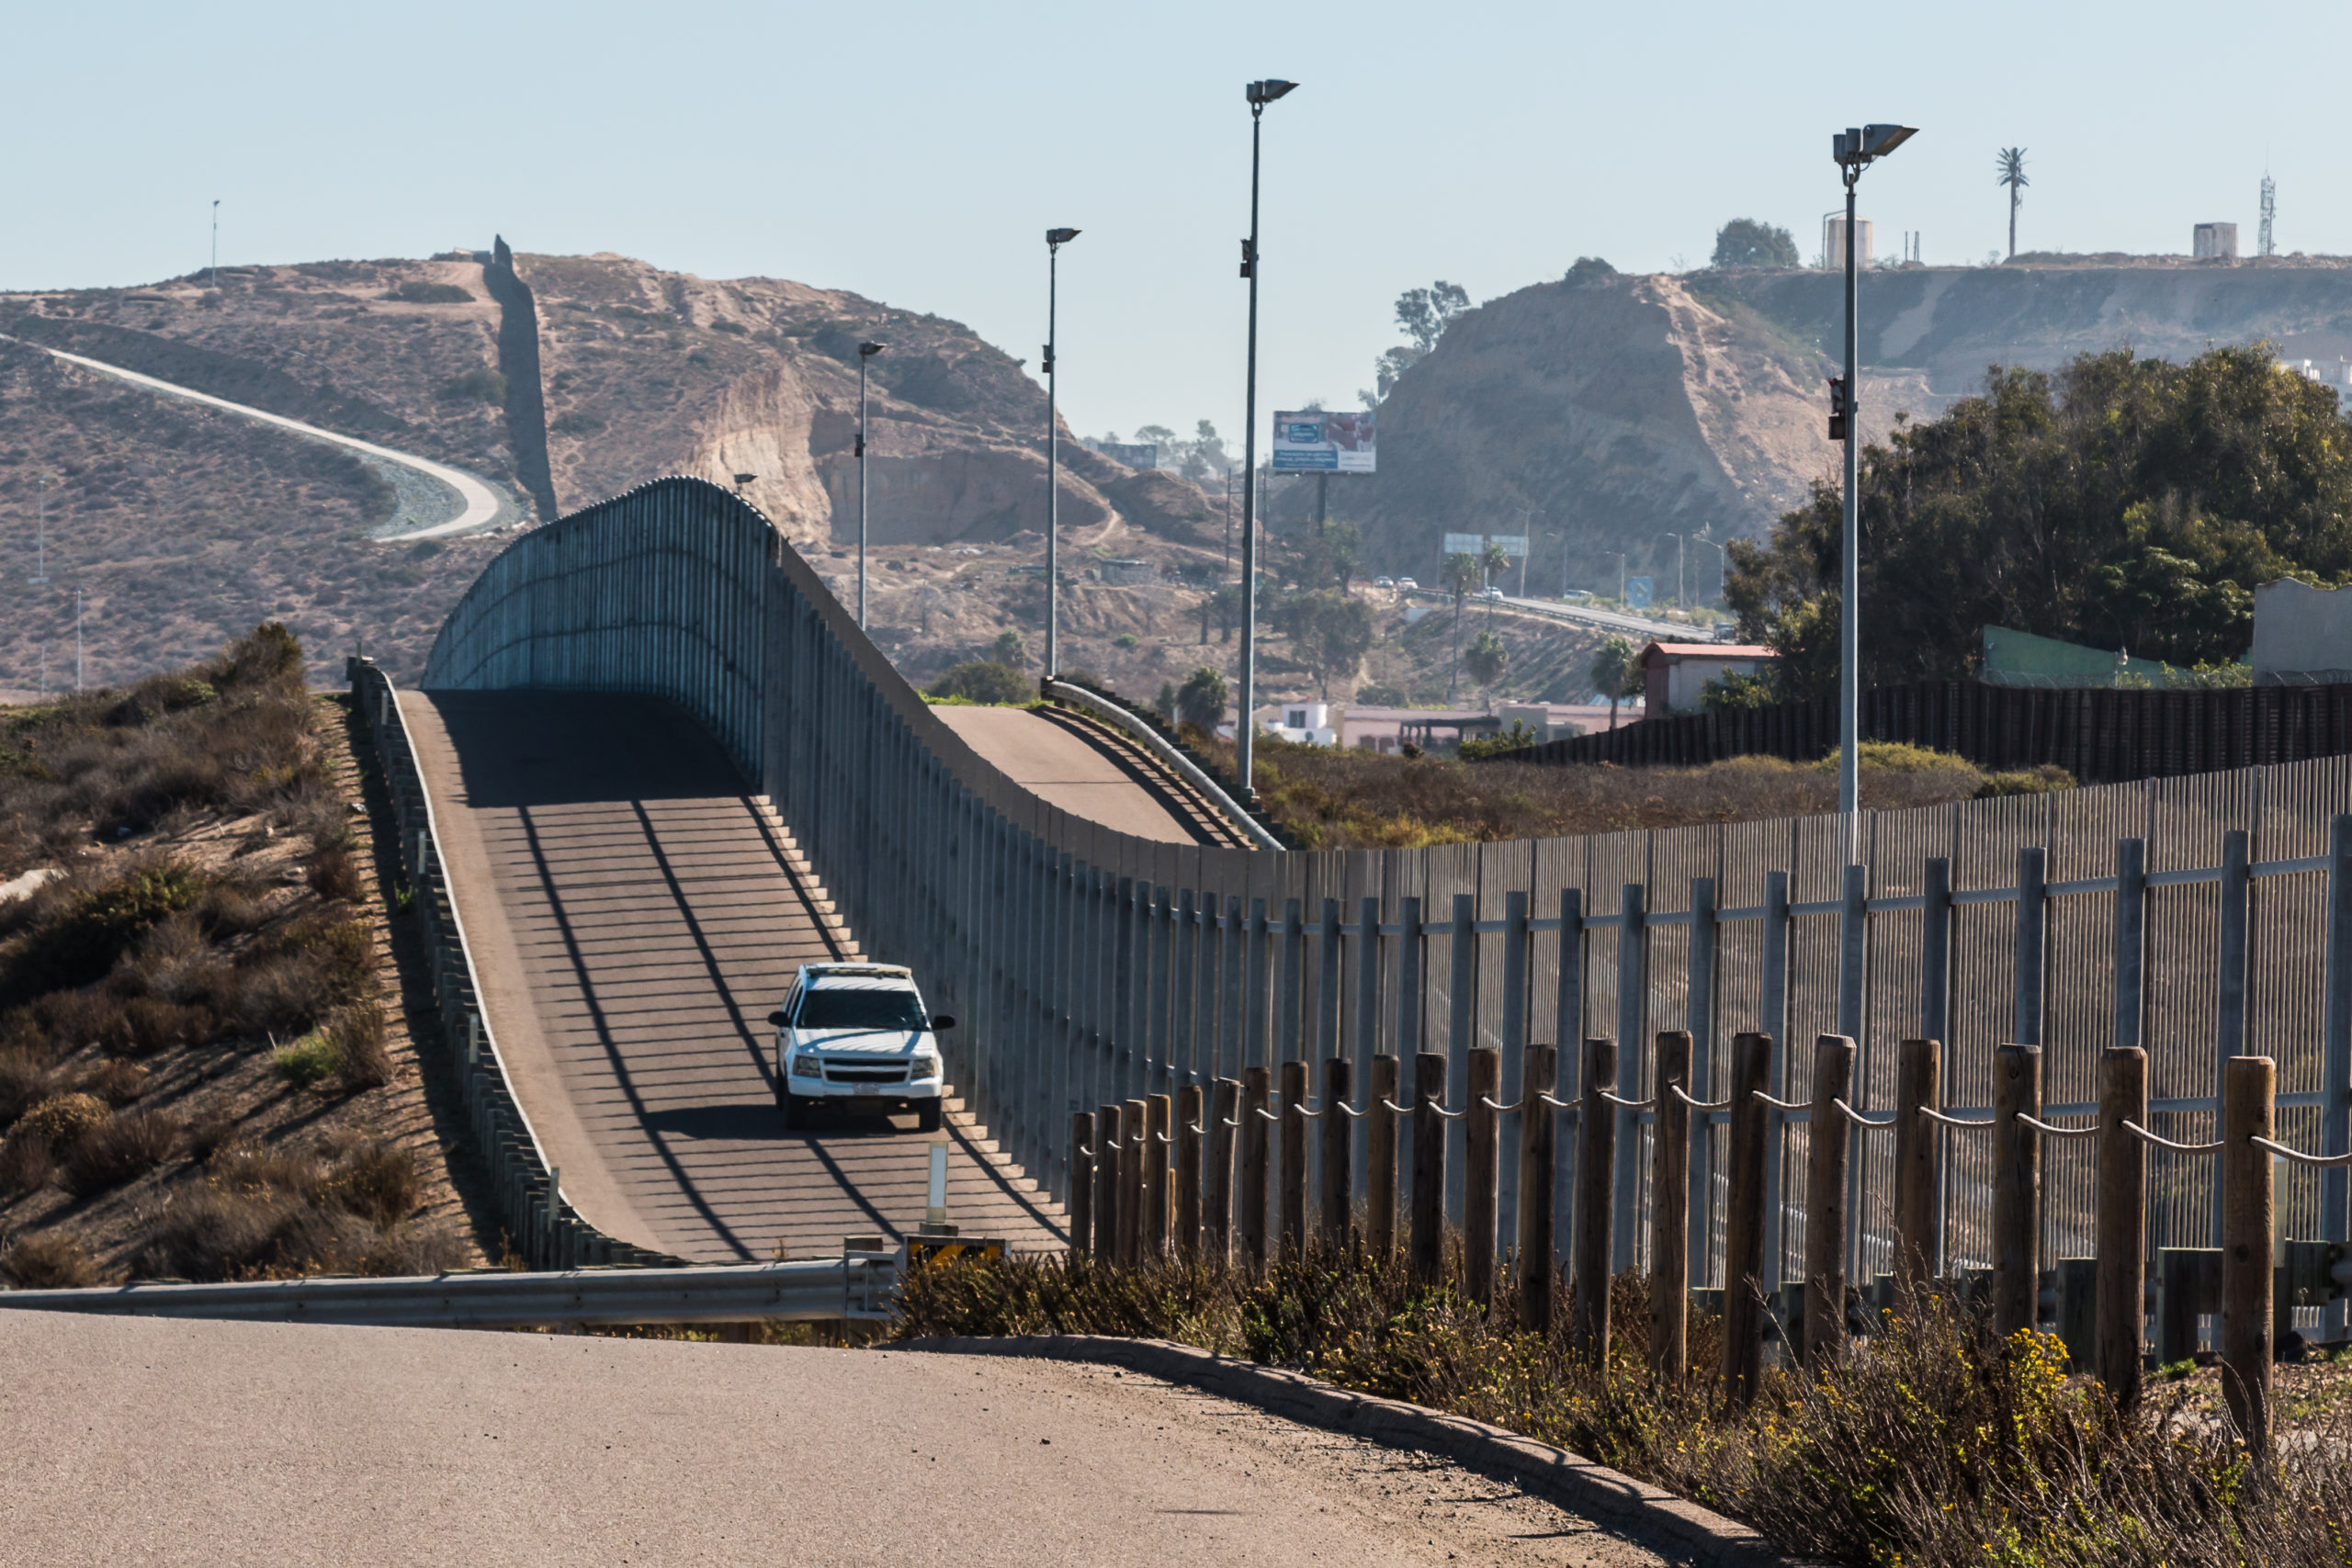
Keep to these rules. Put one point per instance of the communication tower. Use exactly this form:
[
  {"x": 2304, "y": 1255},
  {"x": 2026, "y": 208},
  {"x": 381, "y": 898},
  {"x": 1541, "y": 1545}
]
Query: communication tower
[{"x": 2265, "y": 245}]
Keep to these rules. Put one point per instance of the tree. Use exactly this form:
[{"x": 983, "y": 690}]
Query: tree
[
  {"x": 1330, "y": 631},
  {"x": 1457, "y": 577},
  {"x": 1159, "y": 436},
  {"x": 1325, "y": 558},
  {"x": 2010, "y": 161},
  {"x": 1589, "y": 269},
  {"x": 1424, "y": 313},
  {"x": 1010, "y": 650},
  {"x": 1492, "y": 560},
  {"x": 1223, "y": 607},
  {"x": 983, "y": 681},
  {"x": 1486, "y": 660},
  {"x": 1744, "y": 242},
  {"x": 1199, "y": 700},
  {"x": 2119, "y": 503},
  {"x": 1613, "y": 671}
]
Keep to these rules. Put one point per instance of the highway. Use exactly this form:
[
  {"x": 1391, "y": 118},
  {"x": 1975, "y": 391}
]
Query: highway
[
  {"x": 299, "y": 1446},
  {"x": 1636, "y": 627},
  {"x": 634, "y": 919},
  {"x": 479, "y": 506}
]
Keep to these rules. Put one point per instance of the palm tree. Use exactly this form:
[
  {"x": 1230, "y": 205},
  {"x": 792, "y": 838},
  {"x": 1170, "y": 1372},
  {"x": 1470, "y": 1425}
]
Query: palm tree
[
  {"x": 1492, "y": 560},
  {"x": 1457, "y": 577},
  {"x": 1613, "y": 670},
  {"x": 2011, "y": 164}
]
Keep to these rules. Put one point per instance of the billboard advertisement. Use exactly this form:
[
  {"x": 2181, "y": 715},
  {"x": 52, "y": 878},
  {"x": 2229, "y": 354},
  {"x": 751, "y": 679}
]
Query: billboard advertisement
[
  {"x": 1137, "y": 455},
  {"x": 1311, "y": 441},
  {"x": 1514, "y": 545}
]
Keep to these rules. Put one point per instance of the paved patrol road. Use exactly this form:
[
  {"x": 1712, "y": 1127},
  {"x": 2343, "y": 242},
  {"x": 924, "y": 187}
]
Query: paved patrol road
[
  {"x": 164, "y": 1443},
  {"x": 633, "y": 924}
]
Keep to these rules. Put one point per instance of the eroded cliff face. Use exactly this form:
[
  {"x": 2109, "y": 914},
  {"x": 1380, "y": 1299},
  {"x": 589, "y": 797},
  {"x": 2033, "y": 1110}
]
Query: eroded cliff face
[{"x": 651, "y": 373}]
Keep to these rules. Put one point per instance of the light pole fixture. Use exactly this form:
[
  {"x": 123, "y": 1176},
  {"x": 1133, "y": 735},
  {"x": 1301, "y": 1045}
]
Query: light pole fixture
[
  {"x": 1670, "y": 534},
  {"x": 865, "y": 351},
  {"x": 77, "y": 640},
  {"x": 1854, "y": 150},
  {"x": 1055, "y": 240},
  {"x": 216, "y": 244},
  {"x": 1259, "y": 94},
  {"x": 39, "y": 579}
]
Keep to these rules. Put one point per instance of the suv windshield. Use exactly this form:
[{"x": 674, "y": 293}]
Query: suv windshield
[{"x": 860, "y": 1008}]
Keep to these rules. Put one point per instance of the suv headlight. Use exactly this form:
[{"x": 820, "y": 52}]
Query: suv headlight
[
  {"x": 808, "y": 1064},
  {"x": 927, "y": 1064}
]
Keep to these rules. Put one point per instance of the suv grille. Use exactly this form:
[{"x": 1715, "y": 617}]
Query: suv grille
[{"x": 865, "y": 1070}]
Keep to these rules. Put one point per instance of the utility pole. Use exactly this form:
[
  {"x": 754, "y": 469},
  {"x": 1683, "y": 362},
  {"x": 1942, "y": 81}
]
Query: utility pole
[
  {"x": 216, "y": 244},
  {"x": 39, "y": 579},
  {"x": 1055, "y": 240},
  {"x": 77, "y": 641},
  {"x": 1259, "y": 94},
  {"x": 1678, "y": 568}
]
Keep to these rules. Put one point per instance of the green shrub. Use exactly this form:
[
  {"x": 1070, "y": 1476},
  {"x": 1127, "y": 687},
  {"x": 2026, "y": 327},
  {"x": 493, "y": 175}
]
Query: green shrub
[
  {"x": 420, "y": 293},
  {"x": 982, "y": 680},
  {"x": 77, "y": 945},
  {"x": 2042, "y": 780},
  {"x": 309, "y": 1060},
  {"x": 1518, "y": 737},
  {"x": 1125, "y": 640},
  {"x": 480, "y": 385},
  {"x": 339, "y": 1206},
  {"x": 127, "y": 1145}
]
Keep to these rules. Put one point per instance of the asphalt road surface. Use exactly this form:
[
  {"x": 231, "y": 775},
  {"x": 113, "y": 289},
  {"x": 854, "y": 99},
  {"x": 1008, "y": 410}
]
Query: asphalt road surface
[
  {"x": 633, "y": 923},
  {"x": 1091, "y": 772},
  {"x": 164, "y": 1443}
]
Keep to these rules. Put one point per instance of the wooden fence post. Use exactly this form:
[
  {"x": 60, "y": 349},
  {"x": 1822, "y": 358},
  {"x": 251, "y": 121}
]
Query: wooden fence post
[
  {"x": 1256, "y": 1146},
  {"x": 2119, "y": 1302},
  {"x": 1539, "y": 1074},
  {"x": 1743, "y": 1352},
  {"x": 1155, "y": 1175},
  {"x": 1216, "y": 1186},
  {"x": 1081, "y": 1181},
  {"x": 1670, "y": 1209},
  {"x": 1427, "y": 1240},
  {"x": 1339, "y": 1149},
  {"x": 2243, "y": 1333},
  {"x": 1918, "y": 1162},
  {"x": 1825, "y": 1203},
  {"x": 1380, "y": 1160},
  {"x": 1134, "y": 1140},
  {"x": 2017, "y": 1190},
  {"x": 1106, "y": 1184},
  {"x": 1294, "y": 1195},
  {"x": 1483, "y": 1153},
  {"x": 1596, "y": 1170},
  {"x": 1190, "y": 1132}
]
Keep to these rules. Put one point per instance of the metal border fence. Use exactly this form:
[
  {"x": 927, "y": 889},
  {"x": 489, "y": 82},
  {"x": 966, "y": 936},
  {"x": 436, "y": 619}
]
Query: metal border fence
[{"x": 2203, "y": 917}]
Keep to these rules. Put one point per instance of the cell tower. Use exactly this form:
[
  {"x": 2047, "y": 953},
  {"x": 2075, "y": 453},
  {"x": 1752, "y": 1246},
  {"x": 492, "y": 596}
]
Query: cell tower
[{"x": 2266, "y": 246}]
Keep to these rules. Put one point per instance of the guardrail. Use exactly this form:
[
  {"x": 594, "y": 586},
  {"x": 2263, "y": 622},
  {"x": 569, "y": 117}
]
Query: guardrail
[
  {"x": 1157, "y": 744},
  {"x": 540, "y": 1227},
  {"x": 856, "y": 1286}
]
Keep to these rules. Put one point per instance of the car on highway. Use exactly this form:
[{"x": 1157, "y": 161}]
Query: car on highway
[
  {"x": 1384, "y": 583},
  {"x": 855, "y": 1037},
  {"x": 1407, "y": 585},
  {"x": 1492, "y": 595}
]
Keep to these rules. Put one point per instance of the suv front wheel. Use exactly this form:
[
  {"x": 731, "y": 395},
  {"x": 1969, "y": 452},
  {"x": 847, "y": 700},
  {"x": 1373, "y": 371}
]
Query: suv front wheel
[
  {"x": 795, "y": 1109},
  {"x": 929, "y": 1115}
]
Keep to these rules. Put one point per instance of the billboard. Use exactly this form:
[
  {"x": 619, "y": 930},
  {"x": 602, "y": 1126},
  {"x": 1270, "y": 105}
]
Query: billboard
[
  {"x": 1514, "y": 545},
  {"x": 1142, "y": 456},
  {"x": 1312, "y": 440}
]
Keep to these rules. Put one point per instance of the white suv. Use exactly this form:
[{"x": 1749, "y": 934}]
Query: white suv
[{"x": 856, "y": 1035}]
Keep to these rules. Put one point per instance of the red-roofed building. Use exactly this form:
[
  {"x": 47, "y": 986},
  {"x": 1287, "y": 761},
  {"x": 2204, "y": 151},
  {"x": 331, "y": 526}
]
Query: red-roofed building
[{"x": 1675, "y": 674}]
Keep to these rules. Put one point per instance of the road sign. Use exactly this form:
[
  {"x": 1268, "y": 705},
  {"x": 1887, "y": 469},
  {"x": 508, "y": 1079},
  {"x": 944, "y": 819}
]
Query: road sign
[{"x": 1637, "y": 594}]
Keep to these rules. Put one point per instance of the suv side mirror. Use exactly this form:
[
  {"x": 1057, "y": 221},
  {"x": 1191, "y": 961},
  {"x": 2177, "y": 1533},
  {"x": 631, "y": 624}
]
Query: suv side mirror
[
  {"x": 942, "y": 1020},
  {"x": 776, "y": 1019}
]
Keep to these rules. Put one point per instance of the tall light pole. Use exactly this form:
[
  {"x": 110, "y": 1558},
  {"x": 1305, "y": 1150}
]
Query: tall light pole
[
  {"x": 1853, "y": 150},
  {"x": 1723, "y": 559},
  {"x": 216, "y": 244},
  {"x": 865, "y": 351},
  {"x": 77, "y": 640},
  {"x": 1259, "y": 94},
  {"x": 1670, "y": 533},
  {"x": 1055, "y": 240}
]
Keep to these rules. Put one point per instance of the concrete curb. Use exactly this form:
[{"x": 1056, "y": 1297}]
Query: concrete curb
[{"x": 1650, "y": 1515}]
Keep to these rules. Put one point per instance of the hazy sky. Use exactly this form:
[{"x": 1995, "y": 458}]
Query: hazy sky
[{"x": 916, "y": 153}]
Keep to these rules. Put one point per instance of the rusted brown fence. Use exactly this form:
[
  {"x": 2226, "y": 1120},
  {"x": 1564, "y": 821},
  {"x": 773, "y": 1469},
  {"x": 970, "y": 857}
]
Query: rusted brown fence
[
  {"x": 2098, "y": 736},
  {"x": 2100, "y": 1305}
]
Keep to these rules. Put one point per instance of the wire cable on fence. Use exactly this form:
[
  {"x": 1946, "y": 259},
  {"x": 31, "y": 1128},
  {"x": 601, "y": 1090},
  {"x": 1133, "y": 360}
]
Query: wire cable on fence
[
  {"x": 1676, "y": 1090},
  {"x": 1858, "y": 1119},
  {"x": 1967, "y": 1123},
  {"x": 1781, "y": 1104},
  {"x": 1307, "y": 1114},
  {"x": 2298, "y": 1156},
  {"x": 1442, "y": 1111},
  {"x": 1266, "y": 1113},
  {"x": 1562, "y": 1104},
  {"x": 1489, "y": 1101},
  {"x": 1625, "y": 1104},
  {"x": 2041, "y": 1126},
  {"x": 2147, "y": 1137},
  {"x": 1345, "y": 1109},
  {"x": 1400, "y": 1109}
]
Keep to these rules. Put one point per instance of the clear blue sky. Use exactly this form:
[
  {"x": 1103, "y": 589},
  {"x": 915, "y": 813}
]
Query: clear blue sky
[{"x": 916, "y": 153}]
